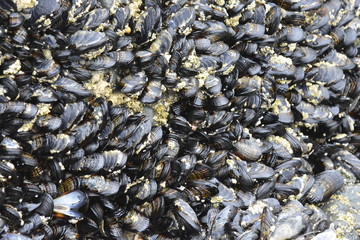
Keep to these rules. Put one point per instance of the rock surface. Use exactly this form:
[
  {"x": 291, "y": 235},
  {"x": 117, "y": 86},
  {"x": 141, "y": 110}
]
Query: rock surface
[{"x": 343, "y": 210}]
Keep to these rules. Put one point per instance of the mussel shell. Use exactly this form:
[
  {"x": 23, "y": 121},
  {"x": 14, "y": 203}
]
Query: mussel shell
[
  {"x": 31, "y": 223},
  {"x": 273, "y": 18},
  {"x": 95, "y": 18},
  {"x": 50, "y": 188},
  {"x": 295, "y": 34},
  {"x": 11, "y": 215},
  {"x": 186, "y": 216},
  {"x": 348, "y": 160},
  {"x": 87, "y": 226},
  {"x": 101, "y": 185},
  {"x": 201, "y": 171},
  {"x": 180, "y": 124},
  {"x": 10, "y": 148},
  {"x": 71, "y": 86},
  {"x": 122, "y": 57},
  {"x": 152, "y": 92},
  {"x": 16, "y": 20},
  {"x": 191, "y": 88},
  {"x": 143, "y": 190},
  {"x": 265, "y": 190},
  {"x": 133, "y": 83},
  {"x": 339, "y": 59},
  {"x": 147, "y": 23},
  {"x": 87, "y": 40},
  {"x": 285, "y": 228},
  {"x": 72, "y": 114},
  {"x": 202, "y": 44},
  {"x": 105, "y": 161},
  {"x": 283, "y": 191},
  {"x": 218, "y": 102},
  {"x": 219, "y": 222},
  {"x": 135, "y": 221},
  {"x": 53, "y": 143},
  {"x": 216, "y": 159},
  {"x": 21, "y": 36},
  {"x": 260, "y": 171},
  {"x": 182, "y": 18},
  {"x": 202, "y": 189},
  {"x": 47, "y": 67},
  {"x": 163, "y": 42},
  {"x": 349, "y": 36},
  {"x": 46, "y": 206},
  {"x": 248, "y": 150},
  {"x": 48, "y": 123},
  {"x": 122, "y": 16},
  {"x": 101, "y": 62},
  {"x": 69, "y": 184},
  {"x": 326, "y": 184},
  {"x": 303, "y": 55}
]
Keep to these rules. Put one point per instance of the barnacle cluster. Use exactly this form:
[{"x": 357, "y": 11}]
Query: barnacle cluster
[{"x": 177, "y": 119}]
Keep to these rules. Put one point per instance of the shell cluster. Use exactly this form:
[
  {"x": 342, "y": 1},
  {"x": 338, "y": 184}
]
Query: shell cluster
[{"x": 176, "y": 119}]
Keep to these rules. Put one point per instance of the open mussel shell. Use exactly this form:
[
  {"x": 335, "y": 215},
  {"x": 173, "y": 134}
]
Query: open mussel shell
[{"x": 70, "y": 203}]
